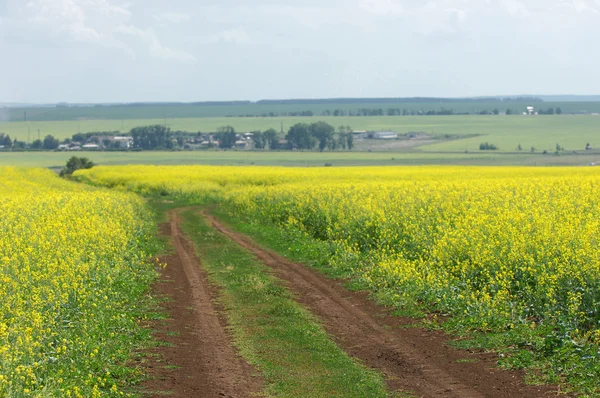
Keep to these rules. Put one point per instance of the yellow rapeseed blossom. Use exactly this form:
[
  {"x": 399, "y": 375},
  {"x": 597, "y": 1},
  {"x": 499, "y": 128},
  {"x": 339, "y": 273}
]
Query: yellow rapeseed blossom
[
  {"x": 73, "y": 263},
  {"x": 499, "y": 247}
]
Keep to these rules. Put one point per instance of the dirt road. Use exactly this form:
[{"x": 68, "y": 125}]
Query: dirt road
[
  {"x": 412, "y": 359},
  {"x": 199, "y": 360}
]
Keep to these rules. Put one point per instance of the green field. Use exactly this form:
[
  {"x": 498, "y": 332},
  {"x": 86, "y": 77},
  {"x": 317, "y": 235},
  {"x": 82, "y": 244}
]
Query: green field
[
  {"x": 318, "y": 107},
  {"x": 542, "y": 132},
  {"x": 303, "y": 159}
]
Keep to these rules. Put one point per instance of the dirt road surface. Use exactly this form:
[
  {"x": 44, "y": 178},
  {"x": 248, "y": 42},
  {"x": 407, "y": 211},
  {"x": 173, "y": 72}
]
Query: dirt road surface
[
  {"x": 412, "y": 359},
  {"x": 200, "y": 360}
]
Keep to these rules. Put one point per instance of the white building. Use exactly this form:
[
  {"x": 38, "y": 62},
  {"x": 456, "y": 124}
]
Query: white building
[{"x": 385, "y": 135}]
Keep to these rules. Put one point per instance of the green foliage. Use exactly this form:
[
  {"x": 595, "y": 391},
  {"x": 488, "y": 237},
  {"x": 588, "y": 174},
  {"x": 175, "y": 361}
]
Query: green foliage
[
  {"x": 485, "y": 146},
  {"x": 5, "y": 140},
  {"x": 152, "y": 137},
  {"x": 50, "y": 143},
  {"x": 226, "y": 136},
  {"x": 74, "y": 164}
]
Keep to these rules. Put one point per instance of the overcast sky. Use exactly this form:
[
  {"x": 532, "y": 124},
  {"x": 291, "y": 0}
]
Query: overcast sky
[{"x": 194, "y": 50}]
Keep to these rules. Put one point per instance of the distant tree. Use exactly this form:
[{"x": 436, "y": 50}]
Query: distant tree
[
  {"x": 341, "y": 140},
  {"x": 509, "y": 111},
  {"x": 5, "y": 140},
  {"x": 74, "y": 164},
  {"x": 79, "y": 137},
  {"x": 496, "y": 111},
  {"x": 50, "y": 143},
  {"x": 550, "y": 111},
  {"x": 349, "y": 140},
  {"x": 37, "y": 144},
  {"x": 323, "y": 132},
  {"x": 532, "y": 150},
  {"x": 299, "y": 135},
  {"x": 558, "y": 111},
  {"x": 226, "y": 136},
  {"x": 259, "y": 140},
  {"x": 270, "y": 138},
  {"x": 588, "y": 146},
  {"x": 151, "y": 137},
  {"x": 519, "y": 147},
  {"x": 558, "y": 147},
  {"x": 18, "y": 144},
  {"x": 485, "y": 146}
]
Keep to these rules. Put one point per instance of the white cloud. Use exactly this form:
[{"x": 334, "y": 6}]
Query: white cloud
[
  {"x": 173, "y": 17},
  {"x": 158, "y": 50},
  {"x": 235, "y": 36},
  {"x": 383, "y": 47},
  {"x": 98, "y": 22}
]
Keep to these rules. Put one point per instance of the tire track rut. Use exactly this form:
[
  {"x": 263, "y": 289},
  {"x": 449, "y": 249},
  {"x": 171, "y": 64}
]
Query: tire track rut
[
  {"x": 412, "y": 359},
  {"x": 201, "y": 348}
]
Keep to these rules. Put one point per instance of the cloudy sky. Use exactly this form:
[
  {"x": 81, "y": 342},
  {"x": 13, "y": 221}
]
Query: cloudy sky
[{"x": 194, "y": 50}]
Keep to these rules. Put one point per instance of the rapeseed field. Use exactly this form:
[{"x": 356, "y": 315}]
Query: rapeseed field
[
  {"x": 74, "y": 268},
  {"x": 511, "y": 252}
]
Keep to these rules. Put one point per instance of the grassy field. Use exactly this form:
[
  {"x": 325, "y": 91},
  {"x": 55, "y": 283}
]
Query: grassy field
[
  {"x": 301, "y": 159},
  {"x": 506, "y": 132},
  {"x": 146, "y": 111}
]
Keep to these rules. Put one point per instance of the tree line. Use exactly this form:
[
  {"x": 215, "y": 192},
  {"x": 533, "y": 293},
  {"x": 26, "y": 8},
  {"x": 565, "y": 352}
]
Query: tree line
[
  {"x": 398, "y": 112},
  {"x": 301, "y": 136}
]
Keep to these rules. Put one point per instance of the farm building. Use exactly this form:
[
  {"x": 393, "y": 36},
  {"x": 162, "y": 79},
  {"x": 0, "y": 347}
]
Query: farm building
[
  {"x": 384, "y": 135},
  {"x": 360, "y": 135},
  {"x": 123, "y": 142}
]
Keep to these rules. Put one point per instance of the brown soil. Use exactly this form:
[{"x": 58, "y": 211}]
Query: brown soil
[
  {"x": 412, "y": 359},
  {"x": 199, "y": 360}
]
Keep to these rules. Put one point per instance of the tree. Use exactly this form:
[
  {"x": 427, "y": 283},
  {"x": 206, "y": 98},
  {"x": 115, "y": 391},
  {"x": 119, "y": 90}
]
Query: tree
[
  {"x": 37, "y": 144},
  {"x": 509, "y": 111},
  {"x": 349, "y": 140},
  {"x": 299, "y": 135},
  {"x": 270, "y": 138},
  {"x": 486, "y": 146},
  {"x": 152, "y": 137},
  {"x": 323, "y": 132},
  {"x": 50, "y": 143},
  {"x": 18, "y": 144},
  {"x": 519, "y": 147},
  {"x": 5, "y": 140},
  {"x": 558, "y": 111},
  {"x": 226, "y": 136},
  {"x": 74, "y": 164},
  {"x": 496, "y": 111},
  {"x": 79, "y": 137},
  {"x": 259, "y": 140}
]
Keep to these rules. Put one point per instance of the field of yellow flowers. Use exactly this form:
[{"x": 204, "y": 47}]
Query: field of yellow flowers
[
  {"x": 506, "y": 251},
  {"x": 73, "y": 271}
]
